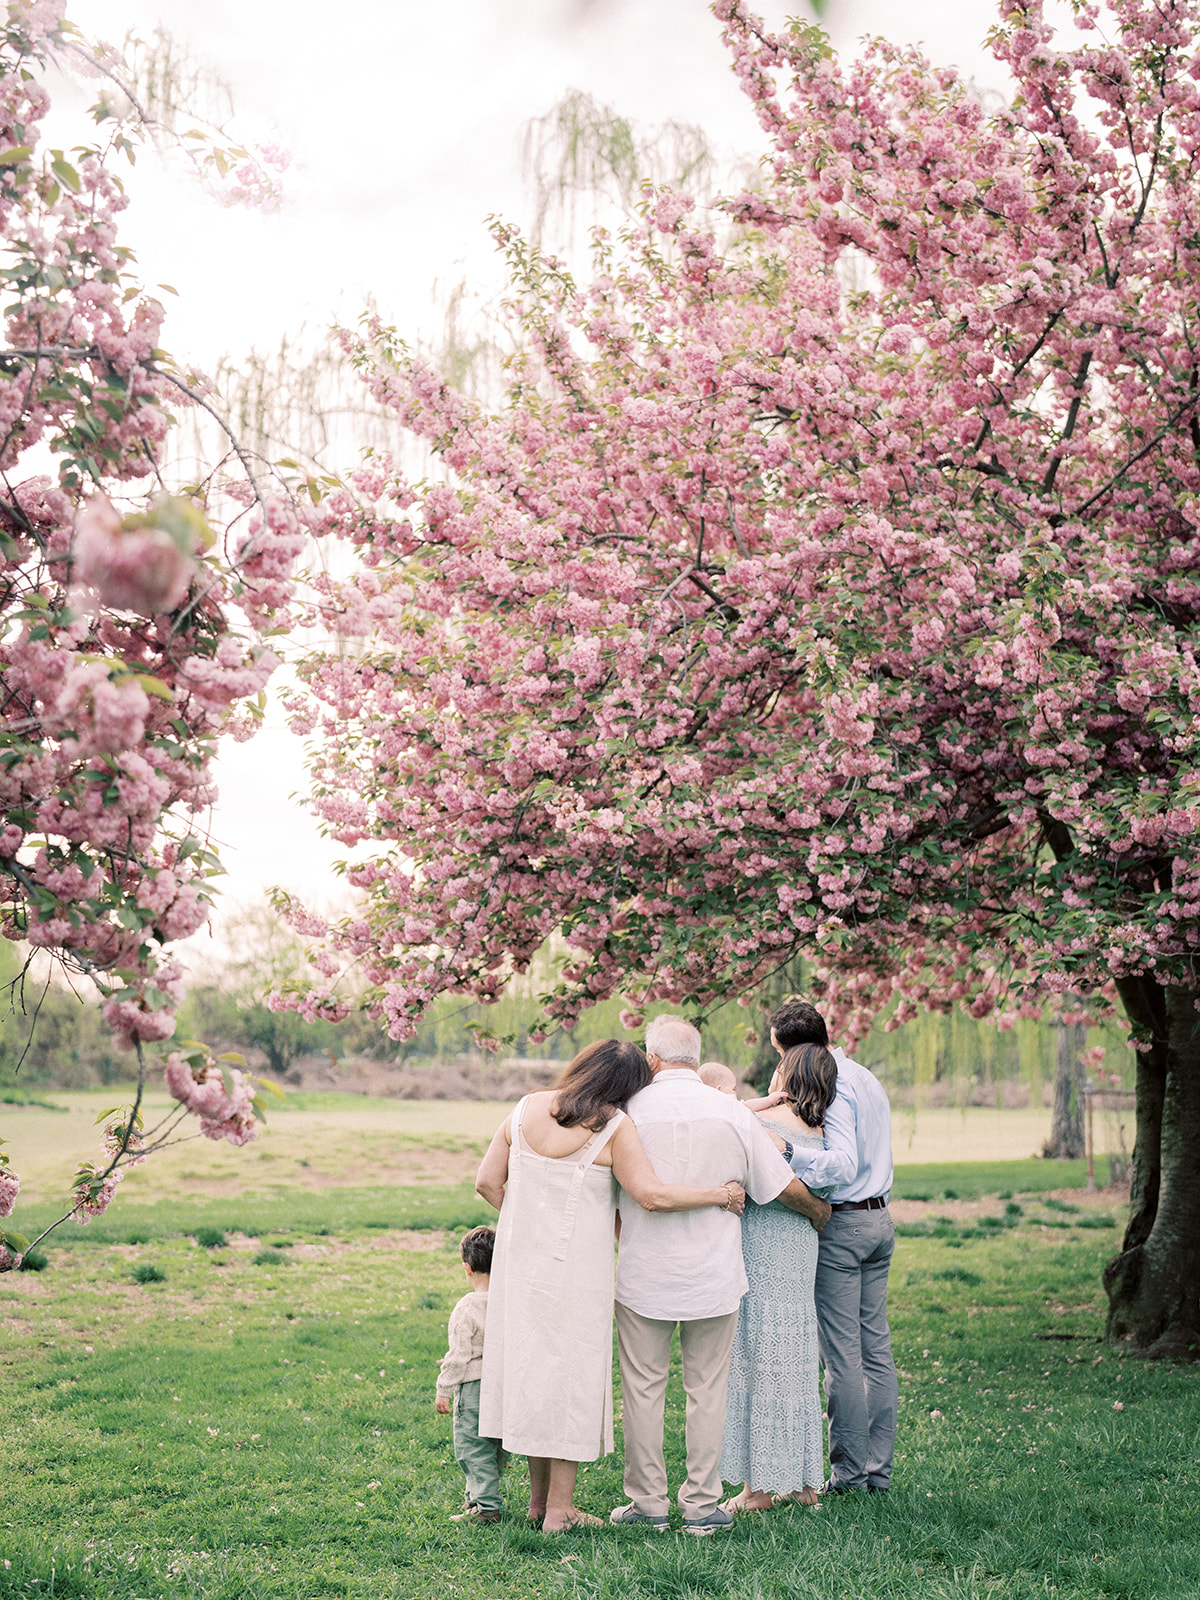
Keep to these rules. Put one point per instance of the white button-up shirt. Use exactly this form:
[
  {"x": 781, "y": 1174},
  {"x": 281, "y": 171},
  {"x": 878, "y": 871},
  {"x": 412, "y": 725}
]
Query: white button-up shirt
[
  {"x": 856, "y": 1163},
  {"x": 685, "y": 1265}
]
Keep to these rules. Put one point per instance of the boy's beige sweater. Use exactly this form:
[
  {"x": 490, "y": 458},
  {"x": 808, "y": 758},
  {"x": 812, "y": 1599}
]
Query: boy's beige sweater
[{"x": 464, "y": 1359}]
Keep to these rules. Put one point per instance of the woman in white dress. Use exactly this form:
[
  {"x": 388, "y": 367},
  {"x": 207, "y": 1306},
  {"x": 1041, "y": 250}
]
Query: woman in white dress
[{"x": 546, "y": 1390}]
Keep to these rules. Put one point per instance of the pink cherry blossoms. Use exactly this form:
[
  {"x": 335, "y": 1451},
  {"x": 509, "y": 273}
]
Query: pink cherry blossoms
[
  {"x": 131, "y": 566},
  {"x": 223, "y": 1099},
  {"x": 132, "y": 641},
  {"x": 828, "y": 580},
  {"x": 93, "y": 1190},
  {"x": 10, "y": 1187},
  {"x": 134, "y": 620}
]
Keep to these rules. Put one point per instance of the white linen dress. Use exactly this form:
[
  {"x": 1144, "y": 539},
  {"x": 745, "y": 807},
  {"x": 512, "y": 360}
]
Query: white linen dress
[{"x": 546, "y": 1388}]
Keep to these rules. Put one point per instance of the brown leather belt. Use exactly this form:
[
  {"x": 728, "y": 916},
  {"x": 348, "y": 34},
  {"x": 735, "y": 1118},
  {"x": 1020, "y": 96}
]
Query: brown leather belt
[{"x": 876, "y": 1203}]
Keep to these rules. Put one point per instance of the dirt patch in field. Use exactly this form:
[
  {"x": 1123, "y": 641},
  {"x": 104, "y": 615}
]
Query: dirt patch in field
[
  {"x": 392, "y": 1240},
  {"x": 1034, "y": 1208},
  {"x": 421, "y": 1166}
]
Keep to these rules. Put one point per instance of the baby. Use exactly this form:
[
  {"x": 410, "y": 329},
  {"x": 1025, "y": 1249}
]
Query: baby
[
  {"x": 721, "y": 1078},
  {"x": 481, "y": 1459}
]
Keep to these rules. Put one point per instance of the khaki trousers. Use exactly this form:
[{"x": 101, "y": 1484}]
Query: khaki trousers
[{"x": 645, "y": 1346}]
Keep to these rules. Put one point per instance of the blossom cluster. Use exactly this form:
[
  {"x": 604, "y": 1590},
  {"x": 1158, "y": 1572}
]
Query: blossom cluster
[
  {"x": 132, "y": 636},
  {"x": 10, "y": 1186},
  {"x": 131, "y": 642},
  {"x": 253, "y": 179},
  {"x": 222, "y": 1097},
  {"x": 93, "y": 1190},
  {"x": 828, "y": 581}
]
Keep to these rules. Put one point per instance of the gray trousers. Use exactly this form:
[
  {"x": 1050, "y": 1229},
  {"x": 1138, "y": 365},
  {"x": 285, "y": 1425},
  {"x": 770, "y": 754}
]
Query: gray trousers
[
  {"x": 856, "y": 1347},
  {"x": 482, "y": 1460}
]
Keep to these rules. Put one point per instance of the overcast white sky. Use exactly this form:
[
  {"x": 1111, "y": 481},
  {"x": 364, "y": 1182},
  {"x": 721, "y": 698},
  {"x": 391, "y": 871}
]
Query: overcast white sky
[{"x": 404, "y": 118}]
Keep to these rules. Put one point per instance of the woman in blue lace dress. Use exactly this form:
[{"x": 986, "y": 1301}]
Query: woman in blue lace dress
[{"x": 774, "y": 1439}]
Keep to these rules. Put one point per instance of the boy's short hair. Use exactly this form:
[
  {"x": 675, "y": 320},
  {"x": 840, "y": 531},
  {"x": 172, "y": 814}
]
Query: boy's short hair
[{"x": 477, "y": 1247}]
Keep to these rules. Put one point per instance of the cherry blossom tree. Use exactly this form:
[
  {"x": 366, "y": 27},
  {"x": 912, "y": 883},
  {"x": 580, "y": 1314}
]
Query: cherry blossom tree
[
  {"x": 826, "y": 584},
  {"x": 132, "y": 637}
]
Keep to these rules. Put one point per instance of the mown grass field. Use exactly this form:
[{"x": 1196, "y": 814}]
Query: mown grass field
[
  {"x": 259, "y": 1422},
  {"x": 319, "y": 1142}
]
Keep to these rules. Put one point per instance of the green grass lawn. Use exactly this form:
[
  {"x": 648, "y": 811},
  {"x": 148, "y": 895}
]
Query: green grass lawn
[{"x": 265, "y": 1428}]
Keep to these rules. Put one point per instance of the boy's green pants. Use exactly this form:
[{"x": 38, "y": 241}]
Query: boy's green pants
[{"x": 482, "y": 1460}]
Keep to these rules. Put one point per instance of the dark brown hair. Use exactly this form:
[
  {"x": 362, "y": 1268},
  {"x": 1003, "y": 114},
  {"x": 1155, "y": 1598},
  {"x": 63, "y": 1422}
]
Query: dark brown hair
[
  {"x": 808, "y": 1077},
  {"x": 598, "y": 1082},
  {"x": 476, "y": 1249},
  {"x": 796, "y": 1022}
]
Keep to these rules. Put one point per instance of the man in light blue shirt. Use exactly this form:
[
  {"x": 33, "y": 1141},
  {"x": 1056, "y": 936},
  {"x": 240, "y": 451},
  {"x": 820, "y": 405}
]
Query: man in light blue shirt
[{"x": 854, "y": 1172}]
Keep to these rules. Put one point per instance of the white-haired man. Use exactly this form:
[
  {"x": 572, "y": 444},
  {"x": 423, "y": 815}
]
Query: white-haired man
[{"x": 685, "y": 1269}]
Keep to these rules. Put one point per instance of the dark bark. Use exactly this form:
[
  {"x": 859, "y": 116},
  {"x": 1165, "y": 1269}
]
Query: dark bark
[
  {"x": 1154, "y": 1284},
  {"x": 1146, "y": 1007},
  {"x": 785, "y": 983}
]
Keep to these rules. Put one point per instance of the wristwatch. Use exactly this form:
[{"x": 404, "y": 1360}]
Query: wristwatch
[{"x": 788, "y": 1150}]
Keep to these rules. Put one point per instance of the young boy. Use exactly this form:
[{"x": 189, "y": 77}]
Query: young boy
[{"x": 481, "y": 1459}]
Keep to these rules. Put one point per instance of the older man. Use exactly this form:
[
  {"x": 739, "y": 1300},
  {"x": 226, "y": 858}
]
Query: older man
[{"x": 685, "y": 1269}]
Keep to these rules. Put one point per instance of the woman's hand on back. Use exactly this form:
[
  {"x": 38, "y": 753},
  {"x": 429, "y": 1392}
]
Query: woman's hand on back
[{"x": 737, "y": 1198}]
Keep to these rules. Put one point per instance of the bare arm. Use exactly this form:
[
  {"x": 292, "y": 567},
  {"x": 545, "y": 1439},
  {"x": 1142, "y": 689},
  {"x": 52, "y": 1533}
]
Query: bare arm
[
  {"x": 801, "y": 1200},
  {"x": 493, "y": 1169},
  {"x": 638, "y": 1178},
  {"x": 765, "y": 1102}
]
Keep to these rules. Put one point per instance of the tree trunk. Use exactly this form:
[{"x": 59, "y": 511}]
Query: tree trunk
[
  {"x": 1066, "y": 1130},
  {"x": 1154, "y": 1284},
  {"x": 1146, "y": 1007},
  {"x": 787, "y": 982}
]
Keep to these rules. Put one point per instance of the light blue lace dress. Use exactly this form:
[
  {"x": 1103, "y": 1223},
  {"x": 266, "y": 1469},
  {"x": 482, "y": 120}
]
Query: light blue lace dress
[{"x": 773, "y": 1425}]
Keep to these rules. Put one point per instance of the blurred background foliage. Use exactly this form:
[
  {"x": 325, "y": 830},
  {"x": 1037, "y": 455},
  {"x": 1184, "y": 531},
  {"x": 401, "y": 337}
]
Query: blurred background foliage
[{"x": 949, "y": 1059}]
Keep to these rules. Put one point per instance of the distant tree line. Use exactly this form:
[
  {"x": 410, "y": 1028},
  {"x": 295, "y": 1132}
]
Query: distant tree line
[{"x": 56, "y": 1037}]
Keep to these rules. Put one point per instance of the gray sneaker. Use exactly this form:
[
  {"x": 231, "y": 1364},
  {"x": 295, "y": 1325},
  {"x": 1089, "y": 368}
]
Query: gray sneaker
[
  {"x": 712, "y": 1523},
  {"x": 630, "y": 1517}
]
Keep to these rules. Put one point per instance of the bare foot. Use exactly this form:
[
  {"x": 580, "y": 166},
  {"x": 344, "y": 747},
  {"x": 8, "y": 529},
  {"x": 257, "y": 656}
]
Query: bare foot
[
  {"x": 574, "y": 1518},
  {"x": 798, "y": 1497},
  {"x": 749, "y": 1500}
]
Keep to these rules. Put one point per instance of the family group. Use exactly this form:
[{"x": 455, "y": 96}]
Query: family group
[{"x": 760, "y": 1229}]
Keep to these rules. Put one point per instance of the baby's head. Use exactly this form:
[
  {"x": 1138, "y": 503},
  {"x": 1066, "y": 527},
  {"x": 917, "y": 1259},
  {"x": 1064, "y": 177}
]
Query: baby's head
[
  {"x": 476, "y": 1251},
  {"x": 718, "y": 1076}
]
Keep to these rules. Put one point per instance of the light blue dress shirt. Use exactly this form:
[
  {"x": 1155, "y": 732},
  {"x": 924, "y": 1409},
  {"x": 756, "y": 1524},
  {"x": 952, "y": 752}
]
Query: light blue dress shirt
[{"x": 856, "y": 1163}]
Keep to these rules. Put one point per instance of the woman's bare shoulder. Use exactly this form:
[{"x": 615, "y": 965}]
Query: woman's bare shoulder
[
  {"x": 786, "y": 1117},
  {"x": 539, "y": 1102}
]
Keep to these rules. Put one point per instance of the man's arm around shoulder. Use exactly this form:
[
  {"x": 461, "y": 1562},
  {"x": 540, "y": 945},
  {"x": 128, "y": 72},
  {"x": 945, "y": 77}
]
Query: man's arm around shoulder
[
  {"x": 767, "y": 1168},
  {"x": 796, "y": 1197}
]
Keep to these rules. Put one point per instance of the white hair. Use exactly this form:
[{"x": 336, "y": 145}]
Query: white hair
[{"x": 673, "y": 1039}]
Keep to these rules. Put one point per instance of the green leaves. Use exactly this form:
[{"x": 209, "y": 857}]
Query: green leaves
[{"x": 65, "y": 172}]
